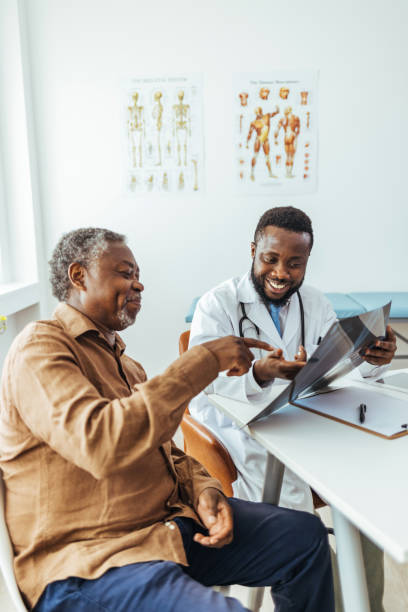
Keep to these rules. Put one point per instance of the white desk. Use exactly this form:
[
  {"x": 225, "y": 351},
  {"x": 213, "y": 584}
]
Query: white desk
[{"x": 363, "y": 477}]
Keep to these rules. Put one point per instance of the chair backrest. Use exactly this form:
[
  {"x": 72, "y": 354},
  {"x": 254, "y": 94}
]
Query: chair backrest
[
  {"x": 7, "y": 556},
  {"x": 202, "y": 444},
  {"x": 183, "y": 341}
]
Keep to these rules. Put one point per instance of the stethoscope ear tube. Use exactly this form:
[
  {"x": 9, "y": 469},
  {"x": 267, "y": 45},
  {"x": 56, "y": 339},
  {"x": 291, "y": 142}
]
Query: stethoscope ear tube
[
  {"x": 302, "y": 318},
  {"x": 242, "y": 319}
]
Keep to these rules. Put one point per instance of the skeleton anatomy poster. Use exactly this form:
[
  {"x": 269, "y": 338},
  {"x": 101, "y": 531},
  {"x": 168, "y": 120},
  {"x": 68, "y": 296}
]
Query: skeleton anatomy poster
[
  {"x": 275, "y": 130},
  {"x": 163, "y": 134}
]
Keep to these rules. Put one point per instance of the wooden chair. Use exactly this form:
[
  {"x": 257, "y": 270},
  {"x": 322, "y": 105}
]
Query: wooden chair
[{"x": 201, "y": 444}]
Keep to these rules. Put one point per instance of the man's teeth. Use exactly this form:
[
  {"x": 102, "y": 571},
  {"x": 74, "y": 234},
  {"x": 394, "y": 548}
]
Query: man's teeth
[{"x": 277, "y": 285}]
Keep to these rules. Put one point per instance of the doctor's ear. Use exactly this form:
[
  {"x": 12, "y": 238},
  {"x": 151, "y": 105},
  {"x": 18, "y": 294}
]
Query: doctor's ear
[{"x": 253, "y": 249}]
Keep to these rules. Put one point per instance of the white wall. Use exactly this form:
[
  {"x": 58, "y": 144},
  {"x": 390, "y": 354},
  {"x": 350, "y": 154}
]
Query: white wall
[
  {"x": 81, "y": 52},
  {"x": 16, "y": 220},
  {"x": 15, "y": 323}
]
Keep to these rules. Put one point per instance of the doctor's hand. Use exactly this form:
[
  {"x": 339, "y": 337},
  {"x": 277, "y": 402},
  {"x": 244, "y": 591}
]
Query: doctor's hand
[
  {"x": 383, "y": 350},
  {"x": 233, "y": 353},
  {"x": 275, "y": 366},
  {"x": 216, "y": 514},
  {"x": 301, "y": 355}
]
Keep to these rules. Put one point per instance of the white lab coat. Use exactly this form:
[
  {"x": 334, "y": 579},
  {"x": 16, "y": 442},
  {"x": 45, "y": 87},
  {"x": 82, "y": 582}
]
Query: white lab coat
[{"x": 217, "y": 314}]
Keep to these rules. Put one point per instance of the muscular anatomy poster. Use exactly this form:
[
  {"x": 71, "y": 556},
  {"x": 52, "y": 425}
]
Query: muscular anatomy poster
[
  {"x": 275, "y": 127},
  {"x": 163, "y": 134}
]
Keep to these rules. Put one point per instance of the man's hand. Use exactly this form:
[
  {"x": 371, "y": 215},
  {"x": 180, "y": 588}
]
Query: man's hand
[
  {"x": 383, "y": 350},
  {"x": 216, "y": 514},
  {"x": 233, "y": 353},
  {"x": 275, "y": 366}
]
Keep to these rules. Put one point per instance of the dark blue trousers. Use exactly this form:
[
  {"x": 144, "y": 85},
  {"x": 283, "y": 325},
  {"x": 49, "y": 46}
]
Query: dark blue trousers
[{"x": 284, "y": 549}]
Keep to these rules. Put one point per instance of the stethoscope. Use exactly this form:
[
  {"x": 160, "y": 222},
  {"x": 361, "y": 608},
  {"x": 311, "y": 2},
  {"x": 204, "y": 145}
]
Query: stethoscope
[{"x": 244, "y": 316}]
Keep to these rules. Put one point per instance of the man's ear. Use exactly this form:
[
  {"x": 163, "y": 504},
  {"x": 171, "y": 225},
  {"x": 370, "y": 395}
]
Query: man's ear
[
  {"x": 76, "y": 274},
  {"x": 253, "y": 249}
]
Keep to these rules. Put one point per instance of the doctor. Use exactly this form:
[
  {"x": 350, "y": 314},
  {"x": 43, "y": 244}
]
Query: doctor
[{"x": 272, "y": 304}]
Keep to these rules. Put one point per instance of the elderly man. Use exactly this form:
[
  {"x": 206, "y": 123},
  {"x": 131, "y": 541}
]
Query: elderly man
[
  {"x": 271, "y": 303},
  {"x": 104, "y": 511}
]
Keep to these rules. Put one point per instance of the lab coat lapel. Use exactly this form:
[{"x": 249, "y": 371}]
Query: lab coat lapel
[{"x": 257, "y": 312}]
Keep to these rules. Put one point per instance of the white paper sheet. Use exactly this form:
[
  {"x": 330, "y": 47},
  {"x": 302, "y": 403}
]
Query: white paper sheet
[{"x": 385, "y": 414}]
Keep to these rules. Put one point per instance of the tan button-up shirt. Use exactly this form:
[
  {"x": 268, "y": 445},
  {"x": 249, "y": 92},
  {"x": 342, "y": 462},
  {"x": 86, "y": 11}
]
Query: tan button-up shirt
[{"x": 92, "y": 478}]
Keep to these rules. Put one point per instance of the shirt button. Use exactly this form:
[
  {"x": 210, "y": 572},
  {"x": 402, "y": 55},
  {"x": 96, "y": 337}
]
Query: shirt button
[{"x": 170, "y": 525}]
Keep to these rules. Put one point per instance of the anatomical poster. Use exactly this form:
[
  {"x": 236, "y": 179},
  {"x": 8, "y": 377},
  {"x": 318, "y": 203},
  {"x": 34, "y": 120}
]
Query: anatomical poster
[
  {"x": 163, "y": 134},
  {"x": 275, "y": 132}
]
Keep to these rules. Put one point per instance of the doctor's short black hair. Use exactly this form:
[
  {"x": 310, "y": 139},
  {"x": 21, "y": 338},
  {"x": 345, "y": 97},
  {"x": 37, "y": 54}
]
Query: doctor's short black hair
[
  {"x": 286, "y": 217},
  {"x": 84, "y": 245}
]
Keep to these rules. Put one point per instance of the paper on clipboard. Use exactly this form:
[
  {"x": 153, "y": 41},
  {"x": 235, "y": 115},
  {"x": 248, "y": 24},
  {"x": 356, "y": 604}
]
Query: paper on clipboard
[
  {"x": 340, "y": 351},
  {"x": 385, "y": 415}
]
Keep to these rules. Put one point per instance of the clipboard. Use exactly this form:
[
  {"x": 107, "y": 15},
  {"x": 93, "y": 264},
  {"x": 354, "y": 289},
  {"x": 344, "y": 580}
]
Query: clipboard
[
  {"x": 386, "y": 415},
  {"x": 340, "y": 351}
]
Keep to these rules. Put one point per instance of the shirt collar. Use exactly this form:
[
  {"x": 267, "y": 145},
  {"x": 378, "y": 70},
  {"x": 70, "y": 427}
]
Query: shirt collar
[{"x": 77, "y": 324}]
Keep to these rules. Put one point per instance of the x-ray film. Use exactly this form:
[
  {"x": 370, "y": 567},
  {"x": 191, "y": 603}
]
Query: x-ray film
[{"x": 340, "y": 351}]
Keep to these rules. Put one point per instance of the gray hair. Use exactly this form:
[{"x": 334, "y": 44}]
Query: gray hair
[{"x": 84, "y": 246}]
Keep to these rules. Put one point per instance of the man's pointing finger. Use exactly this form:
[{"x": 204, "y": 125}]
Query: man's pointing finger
[{"x": 252, "y": 343}]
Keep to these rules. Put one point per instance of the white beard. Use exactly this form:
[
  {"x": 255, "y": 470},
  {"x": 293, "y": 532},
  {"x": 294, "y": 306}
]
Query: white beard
[{"x": 125, "y": 318}]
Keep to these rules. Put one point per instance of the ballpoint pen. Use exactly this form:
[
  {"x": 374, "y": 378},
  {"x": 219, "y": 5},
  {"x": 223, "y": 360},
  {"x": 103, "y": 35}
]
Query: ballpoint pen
[{"x": 363, "y": 410}]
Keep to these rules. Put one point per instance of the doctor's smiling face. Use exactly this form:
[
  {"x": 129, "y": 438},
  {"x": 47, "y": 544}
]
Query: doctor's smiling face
[{"x": 279, "y": 260}]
